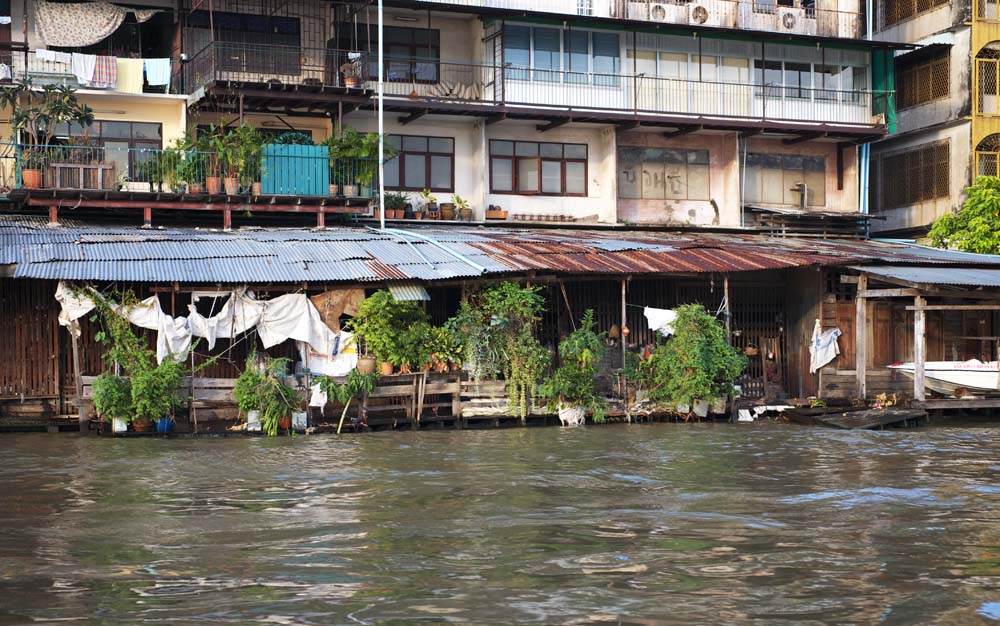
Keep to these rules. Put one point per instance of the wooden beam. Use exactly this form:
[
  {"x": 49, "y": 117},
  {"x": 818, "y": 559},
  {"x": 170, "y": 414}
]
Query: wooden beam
[
  {"x": 553, "y": 124},
  {"x": 861, "y": 338},
  {"x": 683, "y": 130},
  {"x": 848, "y": 280},
  {"x": 413, "y": 116},
  {"x": 493, "y": 119},
  {"x": 919, "y": 345},
  {"x": 957, "y": 403},
  {"x": 802, "y": 138},
  {"x": 82, "y": 417},
  {"x": 889, "y": 293},
  {"x": 954, "y": 307}
]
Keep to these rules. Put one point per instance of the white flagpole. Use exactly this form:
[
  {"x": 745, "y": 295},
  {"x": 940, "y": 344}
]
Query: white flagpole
[{"x": 381, "y": 119}]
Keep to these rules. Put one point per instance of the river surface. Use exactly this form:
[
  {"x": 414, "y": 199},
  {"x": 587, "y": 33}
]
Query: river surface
[{"x": 653, "y": 524}]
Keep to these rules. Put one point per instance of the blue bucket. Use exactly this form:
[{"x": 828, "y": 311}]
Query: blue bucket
[{"x": 164, "y": 425}]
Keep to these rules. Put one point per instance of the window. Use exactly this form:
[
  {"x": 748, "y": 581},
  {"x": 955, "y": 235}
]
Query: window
[
  {"x": 915, "y": 175},
  {"x": 121, "y": 141},
  {"x": 663, "y": 174},
  {"x": 781, "y": 179},
  {"x": 422, "y": 163},
  {"x": 818, "y": 81},
  {"x": 533, "y": 168},
  {"x": 894, "y": 11},
  {"x": 413, "y": 55},
  {"x": 922, "y": 80},
  {"x": 556, "y": 55}
]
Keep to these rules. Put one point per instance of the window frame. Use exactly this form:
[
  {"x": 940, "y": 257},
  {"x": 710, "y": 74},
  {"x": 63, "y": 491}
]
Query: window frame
[
  {"x": 907, "y": 168},
  {"x": 686, "y": 158},
  {"x": 428, "y": 164},
  {"x": 563, "y": 74},
  {"x": 762, "y": 158},
  {"x": 910, "y": 87},
  {"x": 515, "y": 161}
]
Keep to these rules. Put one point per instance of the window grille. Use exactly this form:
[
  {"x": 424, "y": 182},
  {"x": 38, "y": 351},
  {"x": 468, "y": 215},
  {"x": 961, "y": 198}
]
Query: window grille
[
  {"x": 915, "y": 175},
  {"x": 923, "y": 80}
]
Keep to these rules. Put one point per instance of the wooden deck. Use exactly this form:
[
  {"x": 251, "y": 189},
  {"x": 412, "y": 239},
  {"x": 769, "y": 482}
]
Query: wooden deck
[{"x": 860, "y": 419}]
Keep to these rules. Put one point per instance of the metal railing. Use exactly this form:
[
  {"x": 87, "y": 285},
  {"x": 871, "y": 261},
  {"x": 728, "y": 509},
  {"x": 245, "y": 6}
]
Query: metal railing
[
  {"x": 422, "y": 80},
  {"x": 26, "y": 65},
  {"x": 266, "y": 64},
  {"x": 275, "y": 171},
  {"x": 742, "y": 14}
]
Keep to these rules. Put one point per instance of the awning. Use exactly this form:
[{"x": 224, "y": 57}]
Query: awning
[
  {"x": 409, "y": 293},
  {"x": 967, "y": 277}
]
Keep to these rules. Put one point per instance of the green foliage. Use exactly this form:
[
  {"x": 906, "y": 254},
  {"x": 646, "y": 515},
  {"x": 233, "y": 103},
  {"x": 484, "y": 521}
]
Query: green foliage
[
  {"x": 395, "y": 201},
  {"x": 154, "y": 391},
  {"x": 573, "y": 382},
  {"x": 355, "y": 153},
  {"x": 357, "y": 383},
  {"x": 384, "y": 325},
  {"x": 470, "y": 329},
  {"x": 976, "y": 226},
  {"x": 124, "y": 347},
  {"x": 696, "y": 362},
  {"x": 293, "y": 138},
  {"x": 247, "y": 388},
  {"x": 413, "y": 345},
  {"x": 247, "y": 153},
  {"x": 38, "y": 110},
  {"x": 444, "y": 345},
  {"x": 113, "y": 397},
  {"x": 260, "y": 387}
]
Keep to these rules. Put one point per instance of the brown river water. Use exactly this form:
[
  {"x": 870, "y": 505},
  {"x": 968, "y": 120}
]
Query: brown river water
[{"x": 652, "y": 524}]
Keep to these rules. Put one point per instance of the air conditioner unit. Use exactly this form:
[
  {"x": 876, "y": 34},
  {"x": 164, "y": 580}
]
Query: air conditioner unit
[
  {"x": 666, "y": 12},
  {"x": 720, "y": 14},
  {"x": 791, "y": 20},
  {"x": 699, "y": 15}
]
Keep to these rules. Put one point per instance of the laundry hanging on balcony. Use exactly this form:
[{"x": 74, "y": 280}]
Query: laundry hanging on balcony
[{"x": 78, "y": 25}]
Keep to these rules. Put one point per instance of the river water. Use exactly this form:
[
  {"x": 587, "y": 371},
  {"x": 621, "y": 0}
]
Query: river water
[{"x": 653, "y": 524}]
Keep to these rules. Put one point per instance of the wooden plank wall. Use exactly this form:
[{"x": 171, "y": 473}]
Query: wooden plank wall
[{"x": 29, "y": 364}]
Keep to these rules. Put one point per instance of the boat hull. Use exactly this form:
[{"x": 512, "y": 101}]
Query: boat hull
[{"x": 948, "y": 377}]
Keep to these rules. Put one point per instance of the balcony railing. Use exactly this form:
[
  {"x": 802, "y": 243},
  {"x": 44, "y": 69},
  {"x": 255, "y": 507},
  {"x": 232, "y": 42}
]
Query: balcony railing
[
  {"x": 419, "y": 82},
  {"x": 278, "y": 171},
  {"x": 742, "y": 14},
  {"x": 25, "y": 64}
]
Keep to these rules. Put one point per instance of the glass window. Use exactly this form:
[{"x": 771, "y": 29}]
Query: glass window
[
  {"x": 575, "y": 150},
  {"x": 503, "y": 148},
  {"x": 606, "y": 59},
  {"x": 527, "y": 175},
  {"x": 502, "y": 171},
  {"x": 551, "y": 150},
  {"x": 517, "y": 50},
  {"x": 577, "y": 55},
  {"x": 551, "y": 177},
  {"x": 529, "y": 167},
  {"x": 660, "y": 173},
  {"x": 546, "y": 54},
  {"x": 576, "y": 178},
  {"x": 423, "y": 163},
  {"x": 527, "y": 149},
  {"x": 781, "y": 178}
]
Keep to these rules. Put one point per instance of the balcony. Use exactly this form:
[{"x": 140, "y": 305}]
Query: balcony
[
  {"x": 300, "y": 179},
  {"x": 486, "y": 90},
  {"x": 25, "y": 64},
  {"x": 821, "y": 18}
]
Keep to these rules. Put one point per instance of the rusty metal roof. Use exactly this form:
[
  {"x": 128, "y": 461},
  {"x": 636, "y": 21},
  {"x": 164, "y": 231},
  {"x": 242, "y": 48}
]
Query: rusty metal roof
[{"x": 353, "y": 254}]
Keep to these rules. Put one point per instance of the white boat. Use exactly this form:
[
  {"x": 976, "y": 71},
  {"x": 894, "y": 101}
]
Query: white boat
[{"x": 947, "y": 377}]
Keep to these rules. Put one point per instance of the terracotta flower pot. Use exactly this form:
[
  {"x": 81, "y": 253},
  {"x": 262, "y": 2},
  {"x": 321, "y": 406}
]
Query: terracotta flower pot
[
  {"x": 285, "y": 423},
  {"x": 255, "y": 189},
  {"x": 405, "y": 369},
  {"x": 31, "y": 179},
  {"x": 366, "y": 364},
  {"x": 196, "y": 188},
  {"x": 213, "y": 184},
  {"x": 385, "y": 368},
  {"x": 418, "y": 216},
  {"x": 232, "y": 185},
  {"x": 333, "y": 190}
]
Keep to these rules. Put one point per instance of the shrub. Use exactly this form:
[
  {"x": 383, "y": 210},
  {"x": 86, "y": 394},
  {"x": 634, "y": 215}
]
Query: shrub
[{"x": 573, "y": 382}]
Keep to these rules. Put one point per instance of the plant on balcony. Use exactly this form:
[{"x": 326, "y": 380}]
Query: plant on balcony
[
  {"x": 223, "y": 145},
  {"x": 354, "y": 158},
  {"x": 113, "y": 398},
  {"x": 36, "y": 112},
  {"x": 154, "y": 393},
  {"x": 571, "y": 390},
  {"x": 148, "y": 169},
  {"x": 430, "y": 200},
  {"x": 395, "y": 205},
  {"x": 381, "y": 325},
  {"x": 463, "y": 207},
  {"x": 293, "y": 138},
  {"x": 249, "y": 154}
]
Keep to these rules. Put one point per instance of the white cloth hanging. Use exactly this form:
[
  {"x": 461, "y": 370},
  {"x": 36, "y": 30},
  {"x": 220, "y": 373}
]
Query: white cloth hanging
[
  {"x": 660, "y": 319},
  {"x": 83, "y": 66},
  {"x": 823, "y": 347},
  {"x": 53, "y": 56},
  {"x": 157, "y": 72},
  {"x": 82, "y": 24}
]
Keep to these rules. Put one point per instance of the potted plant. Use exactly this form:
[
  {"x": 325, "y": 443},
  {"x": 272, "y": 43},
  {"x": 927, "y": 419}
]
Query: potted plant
[
  {"x": 380, "y": 324},
  {"x": 36, "y": 113},
  {"x": 445, "y": 349},
  {"x": 154, "y": 393},
  {"x": 113, "y": 400},
  {"x": 247, "y": 394},
  {"x": 395, "y": 205},
  {"x": 248, "y": 153},
  {"x": 351, "y": 71},
  {"x": 277, "y": 400},
  {"x": 354, "y": 161},
  {"x": 463, "y": 207},
  {"x": 571, "y": 391},
  {"x": 147, "y": 169},
  {"x": 223, "y": 145}
]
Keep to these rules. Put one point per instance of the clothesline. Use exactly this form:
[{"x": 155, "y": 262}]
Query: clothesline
[{"x": 109, "y": 72}]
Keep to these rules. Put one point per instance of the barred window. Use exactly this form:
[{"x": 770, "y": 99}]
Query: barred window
[
  {"x": 895, "y": 11},
  {"x": 923, "y": 80},
  {"x": 916, "y": 175}
]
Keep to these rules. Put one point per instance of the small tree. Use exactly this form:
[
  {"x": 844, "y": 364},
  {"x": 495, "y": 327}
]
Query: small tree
[
  {"x": 976, "y": 226},
  {"x": 37, "y": 111},
  {"x": 696, "y": 363},
  {"x": 573, "y": 383}
]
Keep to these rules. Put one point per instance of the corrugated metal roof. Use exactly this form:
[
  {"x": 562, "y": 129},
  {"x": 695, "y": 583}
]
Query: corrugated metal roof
[
  {"x": 352, "y": 254},
  {"x": 409, "y": 293},
  {"x": 937, "y": 275}
]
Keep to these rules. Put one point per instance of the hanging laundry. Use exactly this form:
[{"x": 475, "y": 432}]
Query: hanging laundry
[
  {"x": 53, "y": 56},
  {"x": 81, "y": 24},
  {"x": 5, "y": 72},
  {"x": 660, "y": 319},
  {"x": 157, "y": 72},
  {"x": 129, "y": 75},
  {"x": 83, "y": 67},
  {"x": 105, "y": 73},
  {"x": 4, "y": 19},
  {"x": 823, "y": 348}
]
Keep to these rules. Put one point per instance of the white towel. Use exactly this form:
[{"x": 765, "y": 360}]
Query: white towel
[
  {"x": 823, "y": 348},
  {"x": 83, "y": 67},
  {"x": 661, "y": 320},
  {"x": 157, "y": 72},
  {"x": 44, "y": 54},
  {"x": 5, "y": 73}
]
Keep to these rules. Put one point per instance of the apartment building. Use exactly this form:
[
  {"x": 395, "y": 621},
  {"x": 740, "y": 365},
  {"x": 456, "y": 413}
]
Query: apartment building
[
  {"x": 946, "y": 102},
  {"x": 712, "y": 113}
]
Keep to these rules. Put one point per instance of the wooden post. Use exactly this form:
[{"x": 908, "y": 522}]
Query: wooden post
[
  {"x": 82, "y": 413},
  {"x": 147, "y": 217},
  {"x": 621, "y": 332},
  {"x": 320, "y": 219},
  {"x": 54, "y": 215},
  {"x": 227, "y": 219},
  {"x": 729, "y": 308},
  {"x": 919, "y": 345},
  {"x": 861, "y": 338}
]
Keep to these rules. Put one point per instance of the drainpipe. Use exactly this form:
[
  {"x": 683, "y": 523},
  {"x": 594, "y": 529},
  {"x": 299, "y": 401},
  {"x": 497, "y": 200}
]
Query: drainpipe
[
  {"x": 864, "y": 152},
  {"x": 381, "y": 116}
]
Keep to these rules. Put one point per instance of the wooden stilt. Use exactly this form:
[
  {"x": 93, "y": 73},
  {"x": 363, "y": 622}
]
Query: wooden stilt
[
  {"x": 82, "y": 413},
  {"x": 861, "y": 338},
  {"x": 919, "y": 347},
  {"x": 54, "y": 215}
]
